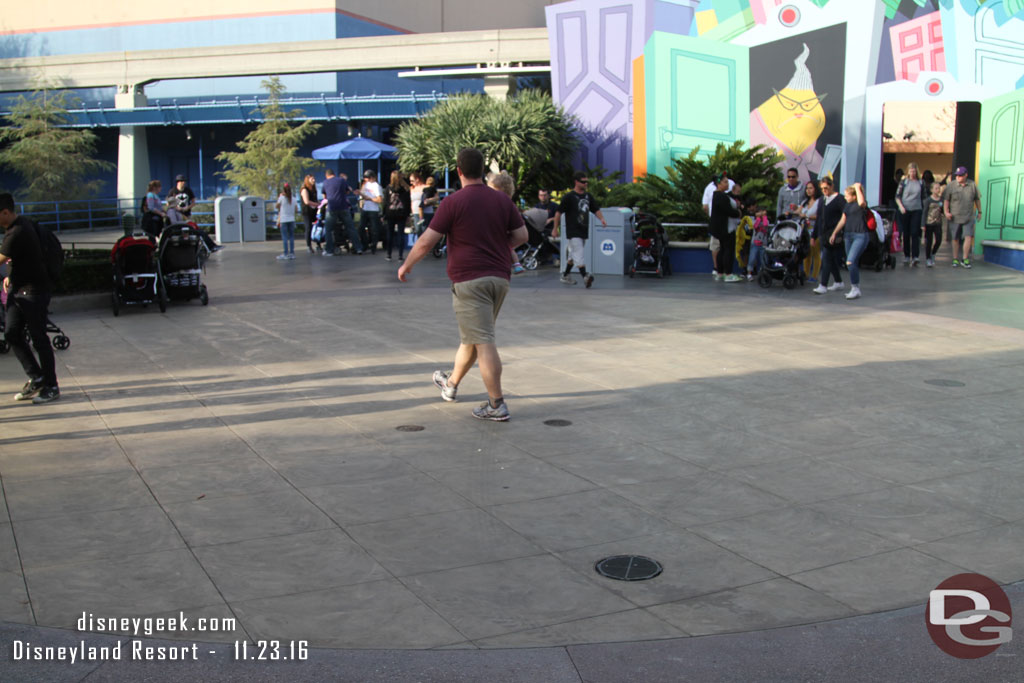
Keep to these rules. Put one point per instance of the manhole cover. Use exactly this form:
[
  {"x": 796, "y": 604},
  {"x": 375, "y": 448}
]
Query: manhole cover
[
  {"x": 410, "y": 428},
  {"x": 628, "y": 568},
  {"x": 557, "y": 423},
  {"x": 944, "y": 383}
]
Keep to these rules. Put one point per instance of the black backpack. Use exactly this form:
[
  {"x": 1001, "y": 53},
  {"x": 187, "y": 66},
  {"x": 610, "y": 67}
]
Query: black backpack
[{"x": 53, "y": 252}]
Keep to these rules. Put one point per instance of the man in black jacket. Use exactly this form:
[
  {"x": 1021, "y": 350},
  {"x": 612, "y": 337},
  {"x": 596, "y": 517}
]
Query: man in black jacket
[
  {"x": 724, "y": 207},
  {"x": 28, "y": 297},
  {"x": 830, "y": 210}
]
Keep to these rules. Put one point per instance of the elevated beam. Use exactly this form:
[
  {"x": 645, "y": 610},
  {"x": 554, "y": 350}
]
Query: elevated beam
[{"x": 136, "y": 68}]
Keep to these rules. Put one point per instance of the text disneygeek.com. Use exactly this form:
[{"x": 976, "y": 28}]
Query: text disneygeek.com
[{"x": 142, "y": 650}]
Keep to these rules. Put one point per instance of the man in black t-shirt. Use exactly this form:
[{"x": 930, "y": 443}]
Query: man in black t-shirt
[
  {"x": 577, "y": 206},
  {"x": 28, "y": 295},
  {"x": 186, "y": 198}
]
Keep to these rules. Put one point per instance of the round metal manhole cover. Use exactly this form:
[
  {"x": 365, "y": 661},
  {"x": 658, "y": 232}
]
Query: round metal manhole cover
[
  {"x": 628, "y": 568},
  {"x": 557, "y": 423},
  {"x": 410, "y": 428},
  {"x": 944, "y": 383}
]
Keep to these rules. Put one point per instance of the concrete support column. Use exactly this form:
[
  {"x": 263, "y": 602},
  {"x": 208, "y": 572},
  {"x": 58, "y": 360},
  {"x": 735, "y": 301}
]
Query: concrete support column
[
  {"x": 499, "y": 87},
  {"x": 132, "y": 151}
]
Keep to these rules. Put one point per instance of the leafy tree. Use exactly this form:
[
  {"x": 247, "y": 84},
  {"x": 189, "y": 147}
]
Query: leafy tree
[
  {"x": 268, "y": 156},
  {"x": 54, "y": 162},
  {"x": 526, "y": 135},
  {"x": 676, "y": 196}
]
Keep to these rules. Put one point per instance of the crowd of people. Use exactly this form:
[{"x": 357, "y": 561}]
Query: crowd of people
[
  {"x": 839, "y": 227},
  {"x": 176, "y": 207}
]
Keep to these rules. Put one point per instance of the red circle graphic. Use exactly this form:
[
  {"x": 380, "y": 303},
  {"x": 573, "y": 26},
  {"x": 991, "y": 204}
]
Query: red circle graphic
[
  {"x": 947, "y": 605},
  {"x": 789, "y": 15}
]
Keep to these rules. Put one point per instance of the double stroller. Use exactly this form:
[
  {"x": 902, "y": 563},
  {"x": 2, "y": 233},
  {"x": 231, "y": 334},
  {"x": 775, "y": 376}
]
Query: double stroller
[
  {"x": 650, "y": 247},
  {"x": 136, "y": 274},
  {"x": 181, "y": 254},
  {"x": 788, "y": 245},
  {"x": 879, "y": 254},
  {"x": 538, "y": 247}
]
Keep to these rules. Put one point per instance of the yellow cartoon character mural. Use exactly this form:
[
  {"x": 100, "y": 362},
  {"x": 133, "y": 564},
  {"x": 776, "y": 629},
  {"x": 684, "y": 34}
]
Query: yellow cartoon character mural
[{"x": 791, "y": 121}]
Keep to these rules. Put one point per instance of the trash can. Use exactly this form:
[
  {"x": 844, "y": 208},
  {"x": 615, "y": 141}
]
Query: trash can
[
  {"x": 254, "y": 219},
  {"x": 609, "y": 249},
  {"x": 227, "y": 219}
]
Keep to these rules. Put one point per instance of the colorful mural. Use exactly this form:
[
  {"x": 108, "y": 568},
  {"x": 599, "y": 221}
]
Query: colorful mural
[{"x": 809, "y": 77}]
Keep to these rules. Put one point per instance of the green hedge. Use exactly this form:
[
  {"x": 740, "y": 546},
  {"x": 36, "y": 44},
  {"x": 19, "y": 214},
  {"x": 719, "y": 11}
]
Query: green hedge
[{"x": 85, "y": 270}]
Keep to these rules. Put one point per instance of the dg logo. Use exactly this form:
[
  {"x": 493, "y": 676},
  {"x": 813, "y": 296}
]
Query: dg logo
[{"x": 968, "y": 616}]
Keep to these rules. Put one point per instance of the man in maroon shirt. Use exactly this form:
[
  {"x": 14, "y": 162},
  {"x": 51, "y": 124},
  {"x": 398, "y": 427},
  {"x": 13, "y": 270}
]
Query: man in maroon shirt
[{"x": 480, "y": 225}]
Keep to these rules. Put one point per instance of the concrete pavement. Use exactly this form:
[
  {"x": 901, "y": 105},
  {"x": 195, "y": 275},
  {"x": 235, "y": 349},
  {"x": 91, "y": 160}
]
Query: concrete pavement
[{"x": 789, "y": 459}]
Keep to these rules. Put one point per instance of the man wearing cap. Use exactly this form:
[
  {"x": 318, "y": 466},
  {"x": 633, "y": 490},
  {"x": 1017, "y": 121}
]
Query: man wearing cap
[
  {"x": 369, "y": 216},
  {"x": 183, "y": 196},
  {"x": 962, "y": 203}
]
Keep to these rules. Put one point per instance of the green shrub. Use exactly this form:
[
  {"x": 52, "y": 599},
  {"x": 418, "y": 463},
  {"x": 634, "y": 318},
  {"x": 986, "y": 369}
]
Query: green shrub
[{"x": 85, "y": 270}]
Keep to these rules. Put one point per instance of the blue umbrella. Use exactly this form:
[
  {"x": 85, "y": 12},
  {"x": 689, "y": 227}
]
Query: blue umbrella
[{"x": 357, "y": 148}]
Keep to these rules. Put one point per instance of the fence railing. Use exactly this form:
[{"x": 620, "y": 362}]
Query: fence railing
[{"x": 109, "y": 213}]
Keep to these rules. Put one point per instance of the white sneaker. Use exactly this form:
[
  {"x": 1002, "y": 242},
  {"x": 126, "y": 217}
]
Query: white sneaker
[
  {"x": 820, "y": 289},
  {"x": 854, "y": 293},
  {"x": 714, "y": 274},
  {"x": 837, "y": 286},
  {"x": 282, "y": 257},
  {"x": 567, "y": 280}
]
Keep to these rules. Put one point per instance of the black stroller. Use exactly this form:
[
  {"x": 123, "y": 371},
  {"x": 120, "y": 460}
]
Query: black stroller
[
  {"x": 877, "y": 255},
  {"x": 650, "y": 247},
  {"x": 136, "y": 280},
  {"x": 182, "y": 254},
  {"x": 60, "y": 340},
  {"x": 538, "y": 247},
  {"x": 788, "y": 245}
]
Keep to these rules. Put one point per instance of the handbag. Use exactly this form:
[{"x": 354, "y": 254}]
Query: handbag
[{"x": 317, "y": 234}]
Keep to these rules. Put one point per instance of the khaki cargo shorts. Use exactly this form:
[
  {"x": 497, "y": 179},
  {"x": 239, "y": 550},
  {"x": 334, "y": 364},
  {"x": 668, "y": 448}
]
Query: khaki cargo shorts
[{"x": 476, "y": 304}]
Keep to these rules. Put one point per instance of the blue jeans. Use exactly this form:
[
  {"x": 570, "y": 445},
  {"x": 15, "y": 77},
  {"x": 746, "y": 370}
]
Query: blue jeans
[
  {"x": 331, "y": 225},
  {"x": 288, "y": 237},
  {"x": 754, "y": 259},
  {"x": 855, "y": 246}
]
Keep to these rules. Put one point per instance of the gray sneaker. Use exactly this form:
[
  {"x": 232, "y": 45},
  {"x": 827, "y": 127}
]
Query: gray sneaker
[
  {"x": 441, "y": 380},
  {"x": 567, "y": 280},
  {"x": 46, "y": 395},
  {"x": 486, "y": 412}
]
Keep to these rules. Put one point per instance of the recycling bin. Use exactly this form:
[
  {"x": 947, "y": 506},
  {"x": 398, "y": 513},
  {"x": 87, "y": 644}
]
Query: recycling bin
[{"x": 227, "y": 219}]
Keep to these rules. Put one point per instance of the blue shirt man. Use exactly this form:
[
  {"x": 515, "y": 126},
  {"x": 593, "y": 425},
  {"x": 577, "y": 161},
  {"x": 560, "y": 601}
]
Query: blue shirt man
[{"x": 336, "y": 191}]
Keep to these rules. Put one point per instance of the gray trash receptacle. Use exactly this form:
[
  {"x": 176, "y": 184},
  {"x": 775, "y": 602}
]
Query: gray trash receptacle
[
  {"x": 254, "y": 219},
  {"x": 227, "y": 219},
  {"x": 609, "y": 249}
]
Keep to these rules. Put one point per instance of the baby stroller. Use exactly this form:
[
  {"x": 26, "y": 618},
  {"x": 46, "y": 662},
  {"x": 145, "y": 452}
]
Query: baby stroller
[
  {"x": 650, "y": 253},
  {"x": 60, "y": 340},
  {"x": 136, "y": 280},
  {"x": 788, "y": 245},
  {"x": 180, "y": 261},
  {"x": 878, "y": 254},
  {"x": 538, "y": 247}
]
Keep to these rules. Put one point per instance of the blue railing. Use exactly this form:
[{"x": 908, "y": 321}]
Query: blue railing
[{"x": 108, "y": 213}]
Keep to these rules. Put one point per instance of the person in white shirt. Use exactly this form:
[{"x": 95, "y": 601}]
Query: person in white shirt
[
  {"x": 286, "y": 206},
  {"x": 369, "y": 215}
]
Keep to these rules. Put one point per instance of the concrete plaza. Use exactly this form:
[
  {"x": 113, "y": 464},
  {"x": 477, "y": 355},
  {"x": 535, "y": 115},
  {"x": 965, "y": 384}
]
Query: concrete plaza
[{"x": 789, "y": 459}]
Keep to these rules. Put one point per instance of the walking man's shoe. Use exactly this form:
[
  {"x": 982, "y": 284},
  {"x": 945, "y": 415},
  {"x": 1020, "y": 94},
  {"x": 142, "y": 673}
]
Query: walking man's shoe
[
  {"x": 447, "y": 391},
  {"x": 589, "y": 280},
  {"x": 487, "y": 412},
  {"x": 47, "y": 395},
  {"x": 567, "y": 280},
  {"x": 29, "y": 391}
]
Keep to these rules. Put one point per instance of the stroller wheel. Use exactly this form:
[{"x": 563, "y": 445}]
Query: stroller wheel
[
  {"x": 115, "y": 304},
  {"x": 204, "y": 297},
  {"x": 789, "y": 282},
  {"x": 4, "y": 346},
  {"x": 60, "y": 342},
  {"x": 530, "y": 263},
  {"x": 879, "y": 266},
  {"x": 764, "y": 279}
]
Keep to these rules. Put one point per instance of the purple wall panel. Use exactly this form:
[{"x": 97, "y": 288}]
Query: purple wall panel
[{"x": 594, "y": 43}]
